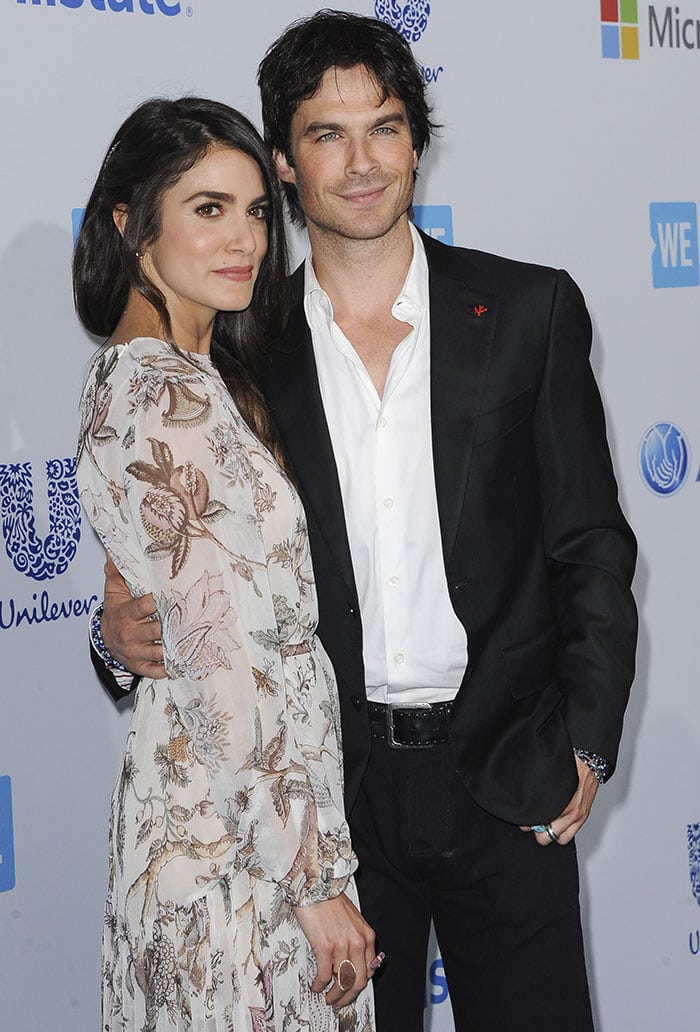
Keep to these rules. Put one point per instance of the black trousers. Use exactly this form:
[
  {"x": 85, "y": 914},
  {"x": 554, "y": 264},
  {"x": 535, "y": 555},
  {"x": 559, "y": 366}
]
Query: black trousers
[{"x": 505, "y": 909}]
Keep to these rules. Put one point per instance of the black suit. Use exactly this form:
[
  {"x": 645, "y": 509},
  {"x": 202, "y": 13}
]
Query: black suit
[{"x": 539, "y": 560}]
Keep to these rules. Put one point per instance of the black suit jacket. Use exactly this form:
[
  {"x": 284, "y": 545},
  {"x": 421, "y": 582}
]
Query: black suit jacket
[{"x": 538, "y": 556}]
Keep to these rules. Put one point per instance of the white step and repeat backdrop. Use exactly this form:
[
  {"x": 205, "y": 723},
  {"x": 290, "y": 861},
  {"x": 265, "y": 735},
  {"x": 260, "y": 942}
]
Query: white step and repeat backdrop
[{"x": 569, "y": 138}]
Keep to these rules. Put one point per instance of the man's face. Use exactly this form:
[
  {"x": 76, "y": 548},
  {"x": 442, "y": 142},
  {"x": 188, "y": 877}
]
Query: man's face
[{"x": 353, "y": 158}]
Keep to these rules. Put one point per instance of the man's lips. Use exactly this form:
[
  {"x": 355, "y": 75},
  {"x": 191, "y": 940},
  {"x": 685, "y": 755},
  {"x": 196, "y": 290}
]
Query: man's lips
[
  {"x": 365, "y": 196},
  {"x": 239, "y": 273}
]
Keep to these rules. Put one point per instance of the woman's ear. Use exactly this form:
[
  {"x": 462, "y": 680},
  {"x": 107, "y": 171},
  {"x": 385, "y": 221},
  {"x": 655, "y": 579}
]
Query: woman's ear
[{"x": 120, "y": 214}]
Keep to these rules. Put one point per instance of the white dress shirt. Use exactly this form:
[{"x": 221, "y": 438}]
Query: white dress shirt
[{"x": 415, "y": 648}]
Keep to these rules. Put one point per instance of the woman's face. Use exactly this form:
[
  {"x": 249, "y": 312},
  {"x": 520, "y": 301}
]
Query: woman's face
[{"x": 213, "y": 238}]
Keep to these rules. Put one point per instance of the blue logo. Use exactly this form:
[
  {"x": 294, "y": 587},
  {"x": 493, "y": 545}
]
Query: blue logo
[
  {"x": 674, "y": 230},
  {"x": 76, "y": 218},
  {"x": 7, "y": 840},
  {"x": 437, "y": 984},
  {"x": 663, "y": 458},
  {"x": 435, "y": 220},
  {"x": 117, "y": 6},
  {"x": 410, "y": 18},
  {"x": 694, "y": 859},
  {"x": 29, "y": 554}
]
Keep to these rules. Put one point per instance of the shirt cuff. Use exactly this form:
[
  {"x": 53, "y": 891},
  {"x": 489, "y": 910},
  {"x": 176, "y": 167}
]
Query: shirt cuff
[
  {"x": 122, "y": 676},
  {"x": 596, "y": 764}
]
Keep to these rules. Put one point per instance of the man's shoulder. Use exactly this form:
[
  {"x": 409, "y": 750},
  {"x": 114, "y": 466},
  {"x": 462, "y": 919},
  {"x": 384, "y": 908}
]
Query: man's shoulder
[{"x": 483, "y": 269}]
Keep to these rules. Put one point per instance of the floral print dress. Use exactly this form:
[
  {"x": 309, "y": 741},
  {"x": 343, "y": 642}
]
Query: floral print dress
[{"x": 229, "y": 807}]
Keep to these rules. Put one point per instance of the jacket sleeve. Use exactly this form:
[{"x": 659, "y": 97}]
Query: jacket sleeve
[{"x": 590, "y": 548}]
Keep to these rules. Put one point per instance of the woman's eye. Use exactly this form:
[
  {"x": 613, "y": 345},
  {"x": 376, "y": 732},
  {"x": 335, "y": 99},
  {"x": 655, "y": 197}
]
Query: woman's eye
[
  {"x": 261, "y": 212},
  {"x": 207, "y": 210}
]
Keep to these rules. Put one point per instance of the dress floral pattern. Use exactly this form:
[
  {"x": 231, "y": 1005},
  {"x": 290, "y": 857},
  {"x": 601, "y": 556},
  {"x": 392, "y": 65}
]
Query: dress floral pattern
[{"x": 228, "y": 809}]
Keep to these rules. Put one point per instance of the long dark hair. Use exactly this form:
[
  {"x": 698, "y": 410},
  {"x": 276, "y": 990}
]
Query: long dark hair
[
  {"x": 151, "y": 150},
  {"x": 294, "y": 65}
]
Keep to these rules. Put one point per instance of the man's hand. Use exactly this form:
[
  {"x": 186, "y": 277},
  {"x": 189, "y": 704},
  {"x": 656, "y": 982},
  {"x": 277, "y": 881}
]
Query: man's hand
[
  {"x": 576, "y": 813},
  {"x": 129, "y": 627},
  {"x": 337, "y": 931}
]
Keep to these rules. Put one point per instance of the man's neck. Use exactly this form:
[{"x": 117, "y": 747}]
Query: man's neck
[
  {"x": 363, "y": 278},
  {"x": 362, "y": 275}
]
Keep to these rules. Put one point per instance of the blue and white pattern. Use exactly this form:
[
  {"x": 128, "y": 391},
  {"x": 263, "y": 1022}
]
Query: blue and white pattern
[
  {"x": 29, "y": 554},
  {"x": 410, "y": 19},
  {"x": 664, "y": 458},
  {"x": 694, "y": 859}
]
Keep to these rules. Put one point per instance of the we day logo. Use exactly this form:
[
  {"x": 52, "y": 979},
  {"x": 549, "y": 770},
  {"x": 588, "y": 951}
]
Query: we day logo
[{"x": 674, "y": 232}]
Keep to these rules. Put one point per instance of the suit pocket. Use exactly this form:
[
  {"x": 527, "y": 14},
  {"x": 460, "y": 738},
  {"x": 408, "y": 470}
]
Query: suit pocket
[
  {"x": 530, "y": 665},
  {"x": 498, "y": 422}
]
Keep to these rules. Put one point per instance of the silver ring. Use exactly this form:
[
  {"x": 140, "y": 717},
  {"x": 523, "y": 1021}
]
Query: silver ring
[{"x": 553, "y": 837}]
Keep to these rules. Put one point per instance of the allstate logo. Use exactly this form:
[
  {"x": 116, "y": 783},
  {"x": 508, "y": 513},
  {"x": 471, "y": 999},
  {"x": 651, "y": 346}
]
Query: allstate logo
[
  {"x": 410, "y": 19},
  {"x": 694, "y": 859},
  {"x": 663, "y": 458}
]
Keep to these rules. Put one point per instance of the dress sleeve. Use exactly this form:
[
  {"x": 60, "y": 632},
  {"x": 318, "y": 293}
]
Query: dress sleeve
[{"x": 192, "y": 488}]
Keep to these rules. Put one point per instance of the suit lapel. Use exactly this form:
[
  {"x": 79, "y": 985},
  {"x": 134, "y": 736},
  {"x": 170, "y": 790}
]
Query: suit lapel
[
  {"x": 294, "y": 396},
  {"x": 462, "y": 325}
]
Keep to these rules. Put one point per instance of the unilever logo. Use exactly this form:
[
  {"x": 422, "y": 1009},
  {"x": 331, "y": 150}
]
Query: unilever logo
[
  {"x": 40, "y": 559},
  {"x": 694, "y": 859},
  {"x": 663, "y": 458},
  {"x": 409, "y": 18},
  {"x": 116, "y": 6}
]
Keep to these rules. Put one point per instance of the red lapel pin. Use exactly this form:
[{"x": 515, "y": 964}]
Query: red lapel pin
[{"x": 479, "y": 310}]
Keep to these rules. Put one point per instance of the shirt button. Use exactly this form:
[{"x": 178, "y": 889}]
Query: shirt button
[
  {"x": 388, "y": 503},
  {"x": 356, "y": 702},
  {"x": 393, "y": 581},
  {"x": 398, "y": 657},
  {"x": 381, "y": 422}
]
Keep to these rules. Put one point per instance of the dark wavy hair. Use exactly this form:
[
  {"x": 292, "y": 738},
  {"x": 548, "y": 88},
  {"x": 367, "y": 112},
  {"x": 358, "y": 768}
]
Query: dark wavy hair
[
  {"x": 294, "y": 65},
  {"x": 160, "y": 141}
]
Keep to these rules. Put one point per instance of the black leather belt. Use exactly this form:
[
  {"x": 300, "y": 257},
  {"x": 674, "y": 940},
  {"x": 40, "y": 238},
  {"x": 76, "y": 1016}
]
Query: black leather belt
[{"x": 410, "y": 727}]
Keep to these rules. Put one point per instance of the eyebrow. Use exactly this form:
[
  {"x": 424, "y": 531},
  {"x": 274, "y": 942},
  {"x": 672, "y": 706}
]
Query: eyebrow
[
  {"x": 227, "y": 198},
  {"x": 396, "y": 118}
]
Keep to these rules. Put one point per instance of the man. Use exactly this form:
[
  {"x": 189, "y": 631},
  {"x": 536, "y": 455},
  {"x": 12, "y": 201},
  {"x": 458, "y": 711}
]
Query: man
[{"x": 473, "y": 566}]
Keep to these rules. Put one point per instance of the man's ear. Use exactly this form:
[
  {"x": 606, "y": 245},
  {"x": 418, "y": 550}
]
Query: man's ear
[
  {"x": 285, "y": 170},
  {"x": 120, "y": 214}
]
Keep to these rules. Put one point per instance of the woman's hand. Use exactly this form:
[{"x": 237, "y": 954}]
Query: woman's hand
[{"x": 337, "y": 932}]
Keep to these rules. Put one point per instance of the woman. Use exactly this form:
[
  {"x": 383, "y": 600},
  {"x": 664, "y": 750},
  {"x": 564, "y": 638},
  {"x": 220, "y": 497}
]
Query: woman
[{"x": 231, "y": 901}]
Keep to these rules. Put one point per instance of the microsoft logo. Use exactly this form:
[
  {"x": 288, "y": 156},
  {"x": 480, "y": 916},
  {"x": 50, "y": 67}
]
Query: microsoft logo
[{"x": 619, "y": 30}]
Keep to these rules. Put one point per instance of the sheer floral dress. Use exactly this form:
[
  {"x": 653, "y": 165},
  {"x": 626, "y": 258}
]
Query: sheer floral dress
[{"x": 228, "y": 808}]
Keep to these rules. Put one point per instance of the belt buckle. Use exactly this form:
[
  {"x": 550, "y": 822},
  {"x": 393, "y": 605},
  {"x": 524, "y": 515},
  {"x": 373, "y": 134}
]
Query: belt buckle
[{"x": 391, "y": 706}]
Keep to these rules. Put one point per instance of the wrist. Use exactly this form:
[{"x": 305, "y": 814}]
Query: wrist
[
  {"x": 97, "y": 641},
  {"x": 596, "y": 764}
]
